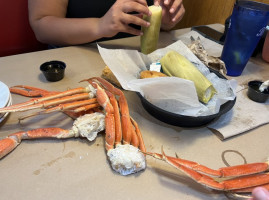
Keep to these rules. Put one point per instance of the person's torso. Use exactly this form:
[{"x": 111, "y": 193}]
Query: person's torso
[{"x": 88, "y": 8}]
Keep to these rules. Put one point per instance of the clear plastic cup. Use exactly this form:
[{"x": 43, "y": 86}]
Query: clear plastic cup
[
  {"x": 265, "y": 50},
  {"x": 247, "y": 24}
]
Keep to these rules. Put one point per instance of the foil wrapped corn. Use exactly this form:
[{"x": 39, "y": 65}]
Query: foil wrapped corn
[
  {"x": 174, "y": 64},
  {"x": 150, "y": 37}
]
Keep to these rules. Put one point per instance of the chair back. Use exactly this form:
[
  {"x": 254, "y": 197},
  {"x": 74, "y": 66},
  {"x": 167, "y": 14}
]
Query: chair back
[{"x": 16, "y": 35}]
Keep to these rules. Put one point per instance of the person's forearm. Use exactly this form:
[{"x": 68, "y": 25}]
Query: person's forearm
[{"x": 67, "y": 31}]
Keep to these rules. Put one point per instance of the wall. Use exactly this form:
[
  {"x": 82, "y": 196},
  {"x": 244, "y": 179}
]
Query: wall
[{"x": 200, "y": 12}]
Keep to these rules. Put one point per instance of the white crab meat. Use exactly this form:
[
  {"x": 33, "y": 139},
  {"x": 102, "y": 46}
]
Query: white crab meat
[
  {"x": 91, "y": 90},
  {"x": 126, "y": 159},
  {"x": 89, "y": 125}
]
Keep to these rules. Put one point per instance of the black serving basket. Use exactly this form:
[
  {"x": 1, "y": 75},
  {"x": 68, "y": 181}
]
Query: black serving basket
[{"x": 182, "y": 120}]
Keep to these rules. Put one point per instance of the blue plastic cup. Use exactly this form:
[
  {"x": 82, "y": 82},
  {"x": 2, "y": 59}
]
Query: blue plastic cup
[{"x": 247, "y": 24}]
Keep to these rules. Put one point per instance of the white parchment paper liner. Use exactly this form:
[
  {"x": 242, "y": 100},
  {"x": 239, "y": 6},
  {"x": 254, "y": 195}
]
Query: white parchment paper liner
[{"x": 172, "y": 94}]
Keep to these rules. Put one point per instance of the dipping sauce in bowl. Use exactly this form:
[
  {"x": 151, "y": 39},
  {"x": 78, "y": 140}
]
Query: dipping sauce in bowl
[
  {"x": 53, "y": 70},
  {"x": 255, "y": 94}
]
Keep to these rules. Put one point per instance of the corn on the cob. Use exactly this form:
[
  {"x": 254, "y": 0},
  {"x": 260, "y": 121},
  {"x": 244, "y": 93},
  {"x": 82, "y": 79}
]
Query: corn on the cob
[
  {"x": 174, "y": 64},
  {"x": 150, "y": 37}
]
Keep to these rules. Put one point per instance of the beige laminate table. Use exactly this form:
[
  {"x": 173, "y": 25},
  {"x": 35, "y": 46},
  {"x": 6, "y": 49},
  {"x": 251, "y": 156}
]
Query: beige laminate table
[{"x": 79, "y": 169}]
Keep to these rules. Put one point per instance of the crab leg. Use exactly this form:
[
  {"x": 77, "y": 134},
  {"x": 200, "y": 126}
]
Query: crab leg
[
  {"x": 24, "y": 106},
  {"x": 103, "y": 100},
  {"x": 86, "y": 108},
  {"x": 49, "y": 103},
  {"x": 134, "y": 138},
  {"x": 68, "y": 106},
  {"x": 118, "y": 129},
  {"x": 125, "y": 116},
  {"x": 139, "y": 135},
  {"x": 111, "y": 101},
  {"x": 30, "y": 91},
  {"x": 226, "y": 185},
  {"x": 12, "y": 141},
  {"x": 249, "y": 189},
  {"x": 74, "y": 114},
  {"x": 233, "y": 171},
  {"x": 37, "y": 92}
]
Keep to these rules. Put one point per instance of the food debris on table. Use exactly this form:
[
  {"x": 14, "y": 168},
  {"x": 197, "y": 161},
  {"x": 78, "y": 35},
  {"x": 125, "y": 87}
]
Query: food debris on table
[{"x": 210, "y": 61}]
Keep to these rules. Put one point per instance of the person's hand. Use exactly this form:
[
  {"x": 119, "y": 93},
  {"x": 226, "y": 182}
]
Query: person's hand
[
  {"x": 119, "y": 16},
  {"x": 173, "y": 12},
  {"x": 260, "y": 193}
]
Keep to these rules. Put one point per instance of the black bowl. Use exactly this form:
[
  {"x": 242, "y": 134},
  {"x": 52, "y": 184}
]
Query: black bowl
[
  {"x": 53, "y": 70},
  {"x": 255, "y": 94},
  {"x": 182, "y": 120}
]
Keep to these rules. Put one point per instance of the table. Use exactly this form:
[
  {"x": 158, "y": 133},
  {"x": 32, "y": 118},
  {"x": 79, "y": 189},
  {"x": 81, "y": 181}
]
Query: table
[{"x": 78, "y": 169}]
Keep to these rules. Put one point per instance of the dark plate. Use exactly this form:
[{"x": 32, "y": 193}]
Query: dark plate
[{"x": 182, "y": 120}]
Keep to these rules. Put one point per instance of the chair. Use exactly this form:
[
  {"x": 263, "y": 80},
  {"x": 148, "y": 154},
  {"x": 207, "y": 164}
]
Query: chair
[{"x": 16, "y": 35}]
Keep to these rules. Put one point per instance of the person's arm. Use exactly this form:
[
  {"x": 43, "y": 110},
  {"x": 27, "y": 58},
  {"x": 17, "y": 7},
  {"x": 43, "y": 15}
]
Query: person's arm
[
  {"x": 48, "y": 21},
  {"x": 173, "y": 12}
]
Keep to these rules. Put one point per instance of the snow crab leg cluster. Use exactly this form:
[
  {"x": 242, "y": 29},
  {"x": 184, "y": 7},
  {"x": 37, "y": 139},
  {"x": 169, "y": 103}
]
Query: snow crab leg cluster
[
  {"x": 234, "y": 179},
  {"x": 123, "y": 137},
  {"x": 100, "y": 106}
]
